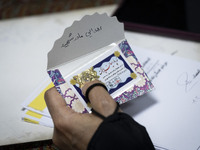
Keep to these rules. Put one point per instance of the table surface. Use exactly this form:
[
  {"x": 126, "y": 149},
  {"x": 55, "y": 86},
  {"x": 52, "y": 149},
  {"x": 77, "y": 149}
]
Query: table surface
[{"x": 24, "y": 44}]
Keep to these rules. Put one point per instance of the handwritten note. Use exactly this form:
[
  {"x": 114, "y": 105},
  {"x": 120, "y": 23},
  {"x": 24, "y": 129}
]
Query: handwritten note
[
  {"x": 87, "y": 34},
  {"x": 170, "y": 112},
  {"x": 81, "y": 38}
]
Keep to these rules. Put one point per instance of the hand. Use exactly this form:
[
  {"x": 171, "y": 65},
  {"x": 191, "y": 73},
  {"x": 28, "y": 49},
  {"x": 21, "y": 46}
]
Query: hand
[{"x": 72, "y": 130}]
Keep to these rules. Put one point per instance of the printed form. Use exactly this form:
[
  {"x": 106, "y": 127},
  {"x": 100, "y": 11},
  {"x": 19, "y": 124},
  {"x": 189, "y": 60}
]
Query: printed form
[{"x": 170, "y": 113}]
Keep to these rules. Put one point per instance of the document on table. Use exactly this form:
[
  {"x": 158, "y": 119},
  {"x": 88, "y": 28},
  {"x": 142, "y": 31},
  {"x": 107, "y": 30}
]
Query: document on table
[
  {"x": 171, "y": 112},
  {"x": 34, "y": 107}
]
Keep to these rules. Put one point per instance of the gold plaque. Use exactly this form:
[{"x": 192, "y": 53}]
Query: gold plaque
[{"x": 85, "y": 76}]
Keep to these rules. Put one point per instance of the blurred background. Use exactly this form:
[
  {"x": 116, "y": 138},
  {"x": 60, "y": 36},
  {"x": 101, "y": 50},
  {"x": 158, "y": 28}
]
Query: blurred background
[{"x": 20, "y": 8}]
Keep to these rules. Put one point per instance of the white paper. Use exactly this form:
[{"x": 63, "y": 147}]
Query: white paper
[
  {"x": 45, "y": 121},
  {"x": 34, "y": 94},
  {"x": 170, "y": 113},
  {"x": 81, "y": 38}
]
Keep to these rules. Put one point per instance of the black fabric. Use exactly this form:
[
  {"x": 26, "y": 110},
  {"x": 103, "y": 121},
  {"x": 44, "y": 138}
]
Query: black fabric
[{"x": 120, "y": 132}]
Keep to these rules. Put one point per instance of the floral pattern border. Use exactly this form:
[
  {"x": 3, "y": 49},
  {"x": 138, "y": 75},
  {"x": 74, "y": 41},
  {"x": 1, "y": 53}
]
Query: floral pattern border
[{"x": 142, "y": 87}]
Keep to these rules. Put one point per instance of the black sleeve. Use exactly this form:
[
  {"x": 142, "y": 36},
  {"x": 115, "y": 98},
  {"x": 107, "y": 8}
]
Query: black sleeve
[{"x": 120, "y": 132}]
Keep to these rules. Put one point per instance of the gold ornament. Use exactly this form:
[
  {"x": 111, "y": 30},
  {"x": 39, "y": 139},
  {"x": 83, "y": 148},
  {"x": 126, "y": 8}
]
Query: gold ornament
[
  {"x": 117, "y": 54},
  {"x": 73, "y": 82},
  {"x": 133, "y": 75},
  {"x": 85, "y": 76}
]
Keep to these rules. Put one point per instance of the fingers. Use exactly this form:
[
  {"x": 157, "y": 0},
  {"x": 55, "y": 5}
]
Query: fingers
[
  {"x": 71, "y": 130},
  {"x": 100, "y": 99},
  {"x": 69, "y": 127},
  {"x": 56, "y": 104}
]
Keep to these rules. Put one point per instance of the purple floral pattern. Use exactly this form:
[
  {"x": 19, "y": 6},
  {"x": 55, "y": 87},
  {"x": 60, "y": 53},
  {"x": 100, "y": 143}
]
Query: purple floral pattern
[
  {"x": 126, "y": 49},
  {"x": 56, "y": 77},
  {"x": 137, "y": 90},
  {"x": 59, "y": 90},
  {"x": 71, "y": 98}
]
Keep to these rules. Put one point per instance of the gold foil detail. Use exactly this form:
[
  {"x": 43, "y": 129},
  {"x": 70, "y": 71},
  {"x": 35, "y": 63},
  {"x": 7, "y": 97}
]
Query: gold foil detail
[
  {"x": 73, "y": 82},
  {"x": 85, "y": 76},
  {"x": 133, "y": 75},
  {"x": 117, "y": 54}
]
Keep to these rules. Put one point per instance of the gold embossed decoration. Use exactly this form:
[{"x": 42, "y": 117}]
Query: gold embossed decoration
[
  {"x": 117, "y": 54},
  {"x": 85, "y": 76},
  {"x": 133, "y": 75}
]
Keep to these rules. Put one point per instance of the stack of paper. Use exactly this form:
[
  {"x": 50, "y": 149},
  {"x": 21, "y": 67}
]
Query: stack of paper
[
  {"x": 35, "y": 109},
  {"x": 170, "y": 113}
]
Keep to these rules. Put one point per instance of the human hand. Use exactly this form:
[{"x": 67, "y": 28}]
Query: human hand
[{"x": 72, "y": 130}]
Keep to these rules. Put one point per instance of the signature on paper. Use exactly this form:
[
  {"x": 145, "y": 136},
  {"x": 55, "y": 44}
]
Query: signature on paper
[{"x": 189, "y": 82}]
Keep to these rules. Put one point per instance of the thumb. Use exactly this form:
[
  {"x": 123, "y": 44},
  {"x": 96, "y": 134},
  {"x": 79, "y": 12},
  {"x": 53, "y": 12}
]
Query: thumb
[{"x": 56, "y": 104}]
